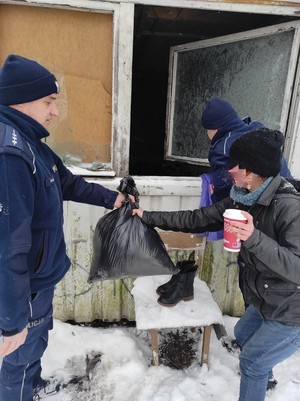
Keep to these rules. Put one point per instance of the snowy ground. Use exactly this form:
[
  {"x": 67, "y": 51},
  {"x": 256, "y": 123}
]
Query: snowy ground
[{"x": 113, "y": 364}]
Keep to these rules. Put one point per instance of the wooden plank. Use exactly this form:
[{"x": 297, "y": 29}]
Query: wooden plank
[
  {"x": 279, "y": 7},
  {"x": 154, "y": 346},
  {"x": 205, "y": 344},
  {"x": 122, "y": 73}
]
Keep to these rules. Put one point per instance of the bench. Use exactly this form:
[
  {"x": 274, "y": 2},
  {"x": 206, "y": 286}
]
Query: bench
[{"x": 202, "y": 311}]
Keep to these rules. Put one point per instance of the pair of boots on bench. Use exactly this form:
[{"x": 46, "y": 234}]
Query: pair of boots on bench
[{"x": 181, "y": 285}]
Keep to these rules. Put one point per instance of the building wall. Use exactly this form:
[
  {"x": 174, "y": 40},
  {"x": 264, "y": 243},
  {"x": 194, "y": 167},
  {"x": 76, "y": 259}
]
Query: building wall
[
  {"x": 111, "y": 300},
  {"x": 77, "y": 48}
]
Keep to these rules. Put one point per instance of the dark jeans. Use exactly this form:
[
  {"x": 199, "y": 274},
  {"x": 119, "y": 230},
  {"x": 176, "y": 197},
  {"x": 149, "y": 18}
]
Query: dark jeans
[
  {"x": 21, "y": 370},
  {"x": 264, "y": 344}
]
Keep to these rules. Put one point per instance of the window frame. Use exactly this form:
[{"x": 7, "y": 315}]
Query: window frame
[{"x": 240, "y": 36}]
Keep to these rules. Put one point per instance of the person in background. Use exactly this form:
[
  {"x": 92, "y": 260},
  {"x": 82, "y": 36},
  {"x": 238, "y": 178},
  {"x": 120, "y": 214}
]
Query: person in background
[
  {"x": 269, "y": 330},
  {"x": 33, "y": 185},
  {"x": 223, "y": 127}
]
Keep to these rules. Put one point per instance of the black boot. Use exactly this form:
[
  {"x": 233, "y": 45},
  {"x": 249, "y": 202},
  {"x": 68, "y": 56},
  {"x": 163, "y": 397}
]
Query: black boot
[
  {"x": 182, "y": 266},
  {"x": 183, "y": 290}
]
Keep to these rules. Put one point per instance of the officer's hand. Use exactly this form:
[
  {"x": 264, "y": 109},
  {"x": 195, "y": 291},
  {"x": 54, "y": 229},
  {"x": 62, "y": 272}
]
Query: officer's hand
[
  {"x": 10, "y": 344},
  {"x": 121, "y": 198}
]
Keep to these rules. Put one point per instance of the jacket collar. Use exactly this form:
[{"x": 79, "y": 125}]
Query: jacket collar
[
  {"x": 268, "y": 194},
  {"x": 29, "y": 128},
  {"x": 233, "y": 125}
]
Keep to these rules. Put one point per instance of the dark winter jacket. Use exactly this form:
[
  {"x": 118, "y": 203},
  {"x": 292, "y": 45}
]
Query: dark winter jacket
[
  {"x": 271, "y": 254},
  {"x": 218, "y": 155},
  {"x": 32, "y": 190}
]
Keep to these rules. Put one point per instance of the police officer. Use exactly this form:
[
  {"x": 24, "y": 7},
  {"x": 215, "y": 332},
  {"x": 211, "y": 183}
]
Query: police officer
[{"x": 33, "y": 185}]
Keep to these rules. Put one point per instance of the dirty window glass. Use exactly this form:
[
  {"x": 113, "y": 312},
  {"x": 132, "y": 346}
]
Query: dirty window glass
[{"x": 252, "y": 74}]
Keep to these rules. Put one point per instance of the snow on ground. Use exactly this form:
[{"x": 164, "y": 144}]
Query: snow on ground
[{"x": 114, "y": 364}]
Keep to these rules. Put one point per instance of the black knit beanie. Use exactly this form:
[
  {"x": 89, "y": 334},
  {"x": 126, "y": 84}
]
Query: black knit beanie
[
  {"x": 258, "y": 151},
  {"x": 217, "y": 113},
  {"x": 23, "y": 80}
]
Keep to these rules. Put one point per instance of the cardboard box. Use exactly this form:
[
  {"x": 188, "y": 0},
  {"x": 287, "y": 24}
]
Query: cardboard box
[{"x": 179, "y": 240}]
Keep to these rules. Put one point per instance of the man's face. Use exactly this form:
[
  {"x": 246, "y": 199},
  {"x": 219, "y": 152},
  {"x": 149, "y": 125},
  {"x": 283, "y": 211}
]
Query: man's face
[
  {"x": 41, "y": 110},
  {"x": 239, "y": 176},
  {"x": 211, "y": 133}
]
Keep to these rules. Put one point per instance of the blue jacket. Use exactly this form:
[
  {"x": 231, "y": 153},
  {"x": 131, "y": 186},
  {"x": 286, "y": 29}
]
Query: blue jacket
[
  {"x": 219, "y": 151},
  {"x": 32, "y": 246}
]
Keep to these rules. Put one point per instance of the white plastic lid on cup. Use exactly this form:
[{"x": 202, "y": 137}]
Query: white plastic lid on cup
[{"x": 234, "y": 214}]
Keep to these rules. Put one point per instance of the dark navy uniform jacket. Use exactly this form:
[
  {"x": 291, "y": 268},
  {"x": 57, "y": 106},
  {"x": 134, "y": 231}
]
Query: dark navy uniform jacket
[
  {"x": 218, "y": 155},
  {"x": 33, "y": 185}
]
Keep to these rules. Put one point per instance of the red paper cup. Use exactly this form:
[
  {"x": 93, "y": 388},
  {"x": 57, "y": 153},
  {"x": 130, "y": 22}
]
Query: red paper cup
[{"x": 231, "y": 243}]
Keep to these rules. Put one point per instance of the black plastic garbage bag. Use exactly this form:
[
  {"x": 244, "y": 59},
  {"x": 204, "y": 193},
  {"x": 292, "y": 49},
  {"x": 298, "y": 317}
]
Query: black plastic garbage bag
[
  {"x": 124, "y": 246},
  {"x": 128, "y": 186}
]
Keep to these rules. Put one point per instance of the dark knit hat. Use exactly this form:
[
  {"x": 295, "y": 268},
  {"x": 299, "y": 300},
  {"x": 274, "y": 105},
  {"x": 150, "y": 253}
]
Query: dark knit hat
[
  {"x": 23, "y": 80},
  {"x": 217, "y": 113},
  {"x": 258, "y": 151}
]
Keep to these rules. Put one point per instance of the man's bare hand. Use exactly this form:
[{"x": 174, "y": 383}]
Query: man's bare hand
[{"x": 10, "y": 344}]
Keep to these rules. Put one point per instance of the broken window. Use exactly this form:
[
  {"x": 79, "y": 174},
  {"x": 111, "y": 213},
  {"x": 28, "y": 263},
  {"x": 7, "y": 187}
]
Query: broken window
[{"x": 253, "y": 70}]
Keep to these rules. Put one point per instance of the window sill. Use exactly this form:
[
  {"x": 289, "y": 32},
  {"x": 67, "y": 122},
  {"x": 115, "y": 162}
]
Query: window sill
[{"x": 89, "y": 173}]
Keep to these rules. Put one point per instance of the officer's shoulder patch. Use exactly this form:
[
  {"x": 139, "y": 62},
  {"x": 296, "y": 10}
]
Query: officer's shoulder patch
[
  {"x": 11, "y": 142},
  {"x": 10, "y": 137}
]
